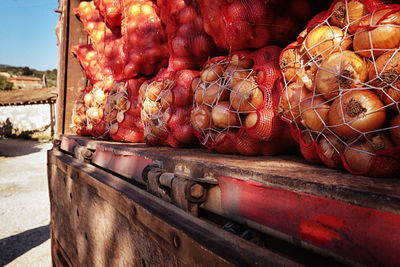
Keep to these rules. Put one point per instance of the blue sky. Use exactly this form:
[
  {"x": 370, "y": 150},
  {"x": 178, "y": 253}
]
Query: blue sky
[{"x": 27, "y": 35}]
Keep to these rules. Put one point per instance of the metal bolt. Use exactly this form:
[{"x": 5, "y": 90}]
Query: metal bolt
[
  {"x": 56, "y": 142},
  {"x": 196, "y": 191},
  {"x": 87, "y": 154}
]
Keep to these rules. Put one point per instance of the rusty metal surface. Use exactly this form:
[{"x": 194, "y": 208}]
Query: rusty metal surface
[{"x": 99, "y": 219}]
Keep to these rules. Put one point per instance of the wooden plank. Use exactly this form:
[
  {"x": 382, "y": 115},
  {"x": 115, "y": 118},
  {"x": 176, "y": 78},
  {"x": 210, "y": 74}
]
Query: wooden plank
[
  {"x": 75, "y": 78},
  {"x": 102, "y": 220},
  {"x": 61, "y": 68}
]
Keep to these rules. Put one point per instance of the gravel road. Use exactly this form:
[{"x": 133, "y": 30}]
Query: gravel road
[{"x": 24, "y": 203}]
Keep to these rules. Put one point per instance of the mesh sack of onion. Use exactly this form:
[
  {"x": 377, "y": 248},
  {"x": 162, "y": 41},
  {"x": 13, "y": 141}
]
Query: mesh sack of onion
[
  {"x": 235, "y": 106},
  {"x": 189, "y": 46},
  {"x": 87, "y": 57},
  {"x": 166, "y": 102},
  {"x": 88, "y": 111},
  {"x": 122, "y": 112},
  {"x": 342, "y": 88},
  {"x": 244, "y": 24},
  {"x": 106, "y": 41},
  {"x": 110, "y": 10},
  {"x": 144, "y": 39},
  {"x": 237, "y": 24}
]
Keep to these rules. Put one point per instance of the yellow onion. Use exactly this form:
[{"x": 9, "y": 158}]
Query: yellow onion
[
  {"x": 348, "y": 13},
  {"x": 158, "y": 128},
  {"x": 359, "y": 156},
  {"x": 223, "y": 117},
  {"x": 330, "y": 149},
  {"x": 241, "y": 62},
  {"x": 395, "y": 130},
  {"x": 195, "y": 83},
  {"x": 237, "y": 76},
  {"x": 314, "y": 113},
  {"x": 151, "y": 107},
  {"x": 212, "y": 73},
  {"x": 154, "y": 89},
  {"x": 246, "y": 96},
  {"x": 94, "y": 114},
  {"x": 200, "y": 118},
  {"x": 214, "y": 93},
  {"x": 306, "y": 73},
  {"x": 143, "y": 89},
  {"x": 324, "y": 40},
  {"x": 289, "y": 106},
  {"x": 358, "y": 109},
  {"x": 341, "y": 70},
  {"x": 111, "y": 116},
  {"x": 290, "y": 62},
  {"x": 383, "y": 36},
  {"x": 166, "y": 98},
  {"x": 385, "y": 75}
]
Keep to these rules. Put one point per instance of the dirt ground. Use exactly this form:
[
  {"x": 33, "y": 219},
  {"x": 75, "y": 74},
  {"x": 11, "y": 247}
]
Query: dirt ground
[{"x": 24, "y": 203}]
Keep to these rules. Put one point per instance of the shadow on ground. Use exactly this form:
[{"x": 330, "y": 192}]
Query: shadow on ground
[
  {"x": 11, "y": 147},
  {"x": 14, "y": 246}
]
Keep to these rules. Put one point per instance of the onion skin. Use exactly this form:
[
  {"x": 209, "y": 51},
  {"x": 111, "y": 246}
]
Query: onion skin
[
  {"x": 263, "y": 124},
  {"x": 154, "y": 89},
  {"x": 363, "y": 163},
  {"x": 327, "y": 152},
  {"x": 342, "y": 16},
  {"x": 215, "y": 93},
  {"x": 240, "y": 62},
  {"x": 341, "y": 70},
  {"x": 307, "y": 148},
  {"x": 200, "y": 118},
  {"x": 290, "y": 62},
  {"x": 223, "y": 117},
  {"x": 385, "y": 35},
  {"x": 324, "y": 40},
  {"x": 395, "y": 132},
  {"x": 246, "y": 96},
  {"x": 310, "y": 108},
  {"x": 289, "y": 106},
  {"x": 212, "y": 73},
  {"x": 385, "y": 74},
  {"x": 354, "y": 105}
]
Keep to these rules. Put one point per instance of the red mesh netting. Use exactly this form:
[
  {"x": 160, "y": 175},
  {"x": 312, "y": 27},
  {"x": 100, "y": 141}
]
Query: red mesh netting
[
  {"x": 122, "y": 112},
  {"x": 87, "y": 57},
  {"x": 189, "y": 46},
  {"x": 88, "y": 111},
  {"x": 145, "y": 40},
  {"x": 236, "y": 104},
  {"x": 166, "y": 101},
  {"x": 106, "y": 41},
  {"x": 242, "y": 24},
  {"x": 110, "y": 10},
  {"x": 342, "y": 88}
]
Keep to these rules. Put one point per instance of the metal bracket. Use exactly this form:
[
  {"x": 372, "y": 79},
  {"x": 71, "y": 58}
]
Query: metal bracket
[
  {"x": 181, "y": 191},
  {"x": 83, "y": 153}
]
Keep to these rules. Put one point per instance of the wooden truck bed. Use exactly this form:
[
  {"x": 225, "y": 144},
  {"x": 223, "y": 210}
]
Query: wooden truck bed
[{"x": 289, "y": 211}]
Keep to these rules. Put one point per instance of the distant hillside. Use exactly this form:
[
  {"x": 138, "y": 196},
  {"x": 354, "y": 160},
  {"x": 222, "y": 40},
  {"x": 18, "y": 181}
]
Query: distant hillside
[{"x": 51, "y": 75}]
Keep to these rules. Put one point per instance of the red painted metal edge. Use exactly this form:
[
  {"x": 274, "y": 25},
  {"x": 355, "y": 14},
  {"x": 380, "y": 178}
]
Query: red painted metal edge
[
  {"x": 68, "y": 144},
  {"x": 130, "y": 166},
  {"x": 363, "y": 235}
]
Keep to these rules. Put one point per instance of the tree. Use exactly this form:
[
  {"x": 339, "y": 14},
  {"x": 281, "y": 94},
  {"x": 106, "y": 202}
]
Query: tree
[
  {"x": 27, "y": 71},
  {"x": 4, "y": 84}
]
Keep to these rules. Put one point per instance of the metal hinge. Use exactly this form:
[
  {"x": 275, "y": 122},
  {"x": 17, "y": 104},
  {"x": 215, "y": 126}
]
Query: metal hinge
[{"x": 184, "y": 192}]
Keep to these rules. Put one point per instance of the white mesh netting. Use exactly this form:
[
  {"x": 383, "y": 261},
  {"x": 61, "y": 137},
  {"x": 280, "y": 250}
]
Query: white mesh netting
[{"x": 342, "y": 88}]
